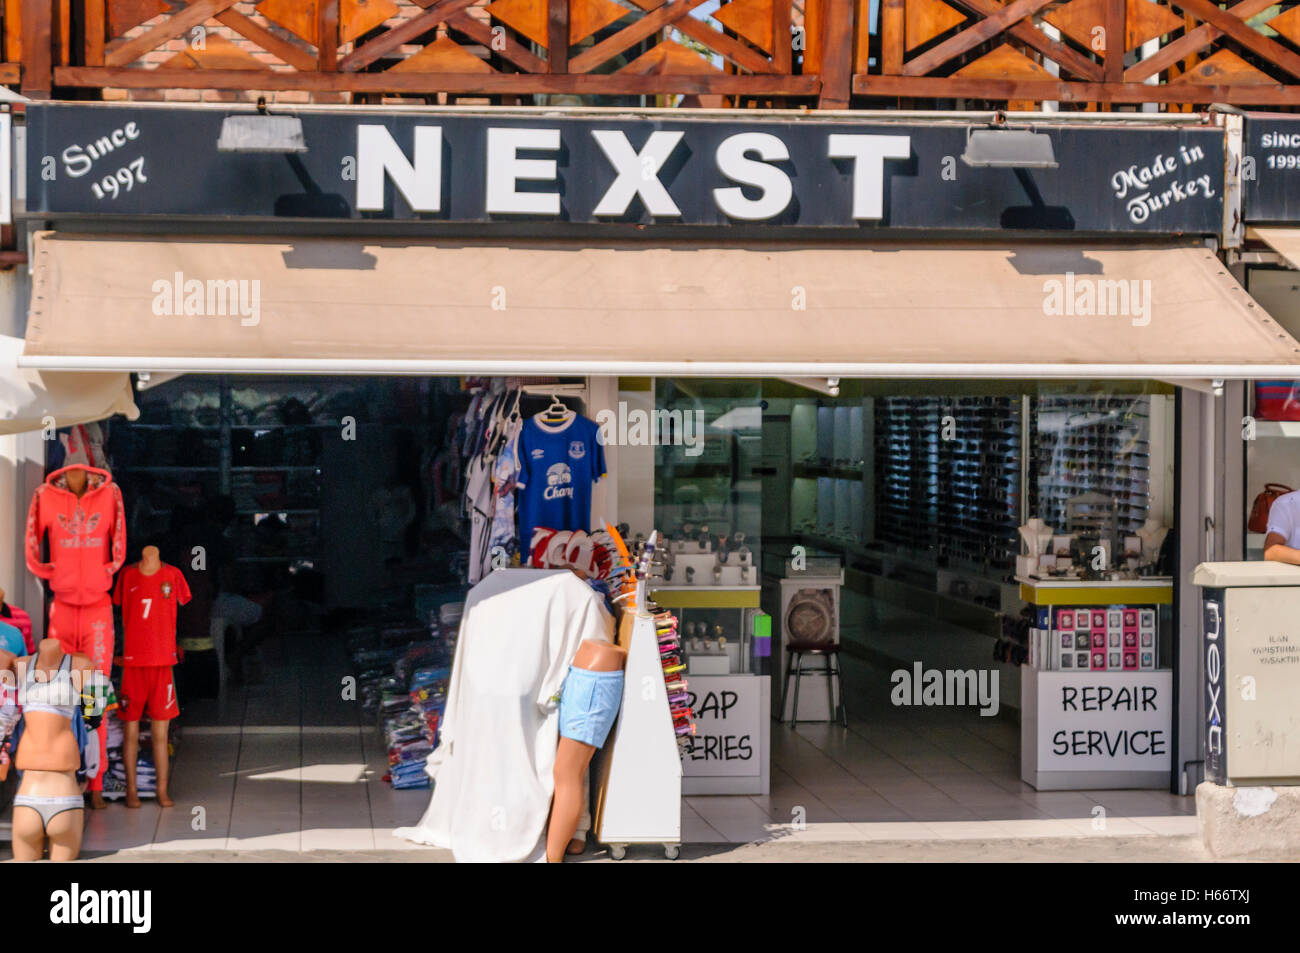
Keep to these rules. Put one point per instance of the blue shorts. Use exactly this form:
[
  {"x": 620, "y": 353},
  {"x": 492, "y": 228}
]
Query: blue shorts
[{"x": 589, "y": 703}]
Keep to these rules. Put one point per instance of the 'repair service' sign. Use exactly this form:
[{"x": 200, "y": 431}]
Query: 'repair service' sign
[{"x": 557, "y": 172}]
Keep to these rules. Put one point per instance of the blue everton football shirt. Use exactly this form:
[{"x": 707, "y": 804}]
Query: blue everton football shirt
[{"x": 557, "y": 466}]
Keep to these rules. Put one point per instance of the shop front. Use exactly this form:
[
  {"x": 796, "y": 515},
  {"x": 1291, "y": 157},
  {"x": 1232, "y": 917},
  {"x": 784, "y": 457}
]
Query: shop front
[{"x": 874, "y": 389}]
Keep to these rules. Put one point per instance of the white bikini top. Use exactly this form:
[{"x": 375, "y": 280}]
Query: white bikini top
[{"x": 58, "y": 695}]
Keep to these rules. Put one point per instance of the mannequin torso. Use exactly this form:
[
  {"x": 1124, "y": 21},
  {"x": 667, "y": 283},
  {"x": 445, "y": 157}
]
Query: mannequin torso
[{"x": 48, "y": 743}]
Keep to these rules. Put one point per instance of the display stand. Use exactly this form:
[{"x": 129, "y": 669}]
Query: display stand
[
  {"x": 729, "y": 754},
  {"x": 640, "y": 772},
  {"x": 1097, "y": 708}
]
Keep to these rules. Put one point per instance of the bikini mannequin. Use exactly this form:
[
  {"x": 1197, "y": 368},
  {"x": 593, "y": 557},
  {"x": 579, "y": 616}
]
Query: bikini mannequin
[
  {"x": 573, "y": 757},
  {"x": 47, "y": 754}
]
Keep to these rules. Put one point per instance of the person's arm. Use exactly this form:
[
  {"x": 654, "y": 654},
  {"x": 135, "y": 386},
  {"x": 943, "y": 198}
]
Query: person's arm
[{"x": 1276, "y": 549}]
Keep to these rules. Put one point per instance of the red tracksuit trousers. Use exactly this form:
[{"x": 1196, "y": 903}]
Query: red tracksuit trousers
[{"x": 88, "y": 630}]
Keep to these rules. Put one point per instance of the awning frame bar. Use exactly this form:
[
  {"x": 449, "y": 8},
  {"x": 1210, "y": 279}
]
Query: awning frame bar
[{"x": 776, "y": 369}]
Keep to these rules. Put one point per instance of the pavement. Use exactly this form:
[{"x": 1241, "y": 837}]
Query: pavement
[{"x": 1177, "y": 849}]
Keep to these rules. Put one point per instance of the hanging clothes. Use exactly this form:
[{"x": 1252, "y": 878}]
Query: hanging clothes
[{"x": 492, "y": 769}]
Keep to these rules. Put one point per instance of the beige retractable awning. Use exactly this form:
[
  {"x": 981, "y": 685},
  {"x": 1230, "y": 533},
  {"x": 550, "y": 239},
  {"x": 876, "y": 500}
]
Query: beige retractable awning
[
  {"x": 32, "y": 399},
  {"x": 1284, "y": 241},
  {"x": 911, "y": 310}
]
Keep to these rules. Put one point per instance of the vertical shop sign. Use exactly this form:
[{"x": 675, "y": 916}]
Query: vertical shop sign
[{"x": 1216, "y": 768}]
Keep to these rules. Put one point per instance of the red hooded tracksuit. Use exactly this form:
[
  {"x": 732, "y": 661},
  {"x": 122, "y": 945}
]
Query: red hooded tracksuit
[{"x": 87, "y": 537}]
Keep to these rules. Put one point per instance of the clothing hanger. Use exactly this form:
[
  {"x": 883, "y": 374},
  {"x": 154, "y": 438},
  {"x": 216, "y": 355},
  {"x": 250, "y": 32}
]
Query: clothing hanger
[{"x": 557, "y": 413}]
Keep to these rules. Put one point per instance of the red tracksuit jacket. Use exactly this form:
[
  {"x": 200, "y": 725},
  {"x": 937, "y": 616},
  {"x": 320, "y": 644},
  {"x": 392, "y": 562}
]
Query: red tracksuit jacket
[{"x": 87, "y": 536}]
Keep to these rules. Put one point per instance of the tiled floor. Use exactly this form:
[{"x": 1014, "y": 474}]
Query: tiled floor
[{"x": 290, "y": 764}]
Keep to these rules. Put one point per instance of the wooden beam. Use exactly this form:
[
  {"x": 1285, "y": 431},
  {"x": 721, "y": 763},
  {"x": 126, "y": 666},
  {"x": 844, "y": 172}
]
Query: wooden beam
[
  {"x": 837, "y": 54},
  {"x": 11, "y": 74},
  {"x": 782, "y": 54},
  {"x": 1114, "y": 13},
  {"x": 1248, "y": 37},
  {"x": 95, "y": 31},
  {"x": 620, "y": 84},
  {"x": 513, "y": 51},
  {"x": 973, "y": 36},
  {"x": 1031, "y": 36},
  {"x": 38, "y": 49},
  {"x": 362, "y": 56},
  {"x": 1190, "y": 42},
  {"x": 174, "y": 26},
  {"x": 892, "y": 36},
  {"x": 295, "y": 56},
  {"x": 647, "y": 26},
  {"x": 939, "y": 87},
  {"x": 746, "y": 57},
  {"x": 557, "y": 36},
  {"x": 13, "y": 50},
  {"x": 327, "y": 35}
]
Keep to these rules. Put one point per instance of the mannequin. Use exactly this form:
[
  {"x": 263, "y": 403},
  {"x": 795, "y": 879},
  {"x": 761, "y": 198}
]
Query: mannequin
[
  {"x": 573, "y": 757},
  {"x": 149, "y": 593},
  {"x": 80, "y": 508},
  {"x": 1152, "y": 533},
  {"x": 48, "y": 808},
  {"x": 1037, "y": 536}
]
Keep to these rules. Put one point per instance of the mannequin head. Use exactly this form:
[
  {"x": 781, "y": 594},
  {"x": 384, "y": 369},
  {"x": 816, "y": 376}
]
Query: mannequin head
[
  {"x": 150, "y": 560},
  {"x": 76, "y": 477}
]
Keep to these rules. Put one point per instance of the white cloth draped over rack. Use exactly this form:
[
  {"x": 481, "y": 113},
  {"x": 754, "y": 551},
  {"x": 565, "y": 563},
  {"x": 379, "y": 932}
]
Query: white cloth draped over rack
[{"x": 492, "y": 769}]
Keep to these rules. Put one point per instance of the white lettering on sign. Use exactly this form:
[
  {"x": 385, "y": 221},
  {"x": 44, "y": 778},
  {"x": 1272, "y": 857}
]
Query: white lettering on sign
[
  {"x": 638, "y": 172},
  {"x": 868, "y": 154},
  {"x": 505, "y": 170},
  {"x": 79, "y": 159},
  {"x": 1112, "y": 721},
  {"x": 761, "y": 191},
  {"x": 733, "y": 161},
  {"x": 379, "y": 158},
  {"x": 1140, "y": 185}
]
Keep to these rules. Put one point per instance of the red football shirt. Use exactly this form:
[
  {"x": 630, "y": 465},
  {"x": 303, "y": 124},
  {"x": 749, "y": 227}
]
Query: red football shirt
[{"x": 149, "y": 613}]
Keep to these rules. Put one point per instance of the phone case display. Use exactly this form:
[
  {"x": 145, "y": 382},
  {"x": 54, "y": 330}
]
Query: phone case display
[
  {"x": 1092, "y": 445},
  {"x": 1104, "y": 639}
]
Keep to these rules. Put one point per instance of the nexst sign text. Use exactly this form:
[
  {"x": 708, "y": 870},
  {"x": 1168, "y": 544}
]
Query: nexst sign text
[{"x": 752, "y": 185}]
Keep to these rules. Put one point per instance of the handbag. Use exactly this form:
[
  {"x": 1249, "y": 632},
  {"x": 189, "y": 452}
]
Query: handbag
[{"x": 1258, "y": 522}]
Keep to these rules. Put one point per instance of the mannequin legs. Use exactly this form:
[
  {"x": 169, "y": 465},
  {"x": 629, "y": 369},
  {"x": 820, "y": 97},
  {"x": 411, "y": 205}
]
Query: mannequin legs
[
  {"x": 571, "y": 761},
  {"x": 131, "y": 754}
]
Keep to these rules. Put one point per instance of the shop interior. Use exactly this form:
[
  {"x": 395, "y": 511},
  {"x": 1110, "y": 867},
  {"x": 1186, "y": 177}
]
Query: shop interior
[{"x": 329, "y": 516}]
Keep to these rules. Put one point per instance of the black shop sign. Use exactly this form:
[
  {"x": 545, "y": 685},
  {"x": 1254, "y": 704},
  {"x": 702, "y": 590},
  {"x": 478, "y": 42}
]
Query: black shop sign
[
  {"x": 1271, "y": 169},
  {"x": 564, "y": 172}
]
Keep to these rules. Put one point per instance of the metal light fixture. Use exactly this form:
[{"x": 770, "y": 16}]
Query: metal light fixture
[
  {"x": 261, "y": 133},
  {"x": 1008, "y": 149}
]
